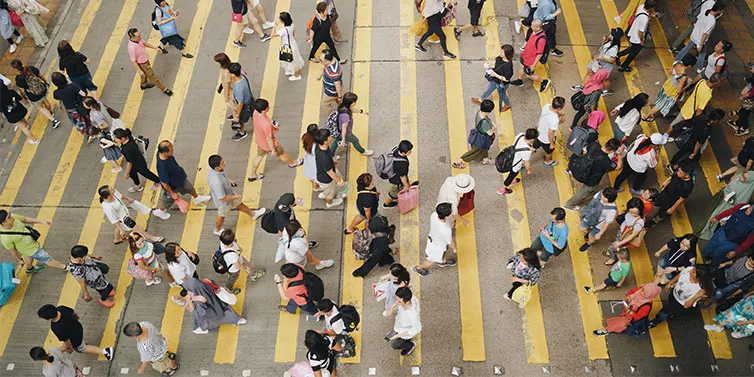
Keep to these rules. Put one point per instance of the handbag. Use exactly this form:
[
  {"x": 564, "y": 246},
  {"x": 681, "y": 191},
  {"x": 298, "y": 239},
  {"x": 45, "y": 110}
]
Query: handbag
[
  {"x": 379, "y": 290},
  {"x": 15, "y": 19},
  {"x": 479, "y": 139},
  {"x": 220, "y": 88},
  {"x": 129, "y": 222},
  {"x": 236, "y": 17},
  {"x": 408, "y": 200},
  {"x": 522, "y": 295},
  {"x": 222, "y": 293},
  {"x": 638, "y": 240},
  {"x": 194, "y": 258},
  {"x": 182, "y": 205},
  {"x": 33, "y": 233},
  {"x": 136, "y": 271},
  {"x": 286, "y": 53},
  {"x": 113, "y": 114},
  {"x": 466, "y": 204}
]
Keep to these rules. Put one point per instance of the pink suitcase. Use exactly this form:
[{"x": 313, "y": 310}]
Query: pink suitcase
[{"x": 408, "y": 200}]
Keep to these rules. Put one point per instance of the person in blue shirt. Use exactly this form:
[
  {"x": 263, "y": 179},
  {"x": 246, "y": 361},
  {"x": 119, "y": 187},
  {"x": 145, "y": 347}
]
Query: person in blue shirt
[
  {"x": 548, "y": 11},
  {"x": 553, "y": 236},
  {"x": 165, "y": 17}
]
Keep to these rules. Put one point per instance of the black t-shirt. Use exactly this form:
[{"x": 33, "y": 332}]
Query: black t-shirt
[
  {"x": 68, "y": 327},
  {"x": 675, "y": 257},
  {"x": 74, "y": 65},
  {"x": 321, "y": 28},
  {"x": 21, "y": 83},
  {"x": 400, "y": 168},
  {"x": 502, "y": 68},
  {"x": 70, "y": 96},
  {"x": 367, "y": 200},
  {"x": 700, "y": 131},
  {"x": 476, "y": 4},
  {"x": 676, "y": 189},
  {"x": 324, "y": 164},
  {"x": 747, "y": 152},
  {"x": 132, "y": 154},
  {"x": 239, "y": 6},
  {"x": 601, "y": 165}
]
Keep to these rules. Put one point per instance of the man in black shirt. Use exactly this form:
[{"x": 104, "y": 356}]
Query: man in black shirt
[
  {"x": 328, "y": 178},
  {"x": 399, "y": 180},
  {"x": 320, "y": 33},
  {"x": 602, "y": 164},
  {"x": 283, "y": 213},
  {"x": 135, "y": 162},
  {"x": 701, "y": 129},
  {"x": 64, "y": 323},
  {"x": 674, "y": 192},
  {"x": 367, "y": 201}
]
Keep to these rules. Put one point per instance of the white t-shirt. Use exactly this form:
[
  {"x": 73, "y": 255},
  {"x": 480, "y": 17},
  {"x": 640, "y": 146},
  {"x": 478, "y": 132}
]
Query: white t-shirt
[
  {"x": 641, "y": 162},
  {"x": 631, "y": 221},
  {"x": 607, "y": 216},
  {"x": 704, "y": 25},
  {"x": 608, "y": 51},
  {"x": 440, "y": 233},
  {"x": 520, "y": 156},
  {"x": 684, "y": 289},
  {"x": 712, "y": 62},
  {"x": 115, "y": 211},
  {"x": 408, "y": 320},
  {"x": 627, "y": 122},
  {"x": 183, "y": 269},
  {"x": 296, "y": 248},
  {"x": 448, "y": 194},
  {"x": 641, "y": 20},
  {"x": 231, "y": 258},
  {"x": 338, "y": 326},
  {"x": 548, "y": 120},
  {"x": 707, "y": 5}
]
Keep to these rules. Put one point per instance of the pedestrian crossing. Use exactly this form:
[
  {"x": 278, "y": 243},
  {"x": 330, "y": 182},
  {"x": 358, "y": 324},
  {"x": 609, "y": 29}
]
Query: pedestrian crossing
[{"x": 195, "y": 234}]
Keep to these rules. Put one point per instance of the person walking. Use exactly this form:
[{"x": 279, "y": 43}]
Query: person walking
[
  {"x": 345, "y": 112},
  {"x": 226, "y": 81},
  {"x": 136, "y": 164},
  {"x": 397, "y": 278},
  {"x": 21, "y": 240},
  {"x": 34, "y": 86},
  {"x": 144, "y": 253},
  {"x": 244, "y": 101},
  {"x": 294, "y": 290},
  {"x": 240, "y": 9},
  {"x": 602, "y": 163},
  {"x": 329, "y": 178},
  {"x": 89, "y": 274},
  {"x": 630, "y": 234},
  {"x": 593, "y": 88},
  {"x": 72, "y": 98},
  {"x": 29, "y": 11},
  {"x": 379, "y": 250},
  {"x": 310, "y": 163},
  {"x": 287, "y": 35},
  {"x": 439, "y": 240},
  {"x": 691, "y": 144},
  {"x": 553, "y": 236},
  {"x": 677, "y": 254},
  {"x": 297, "y": 247},
  {"x": 15, "y": 112},
  {"x": 64, "y": 323},
  {"x": 627, "y": 116},
  {"x": 674, "y": 86},
  {"x": 182, "y": 266},
  {"x": 223, "y": 195},
  {"x": 117, "y": 213},
  {"x": 597, "y": 217},
  {"x": 332, "y": 81},
  {"x": 637, "y": 35},
  {"x": 267, "y": 143},
  {"x": 137, "y": 52},
  {"x": 606, "y": 58},
  {"x": 407, "y": 322},
  {"x": 99, "y": 115},
  {"x": 717, "y": 62},
  {"x": 174, "y": 181},
  {"x": 164, "y": 18},
  {"x": 208, "y": 312},
  {"x": 485, "y": 131},
  {"x": 687, "y": 288},
  {"x": 433, "y": 12},
  {"x": 696, "y": 8},
  {"x": 75, "y": 65},
  {"x": 674, "y": 191},
  {"x": 7, "y": 30},
  {"x": 319, "y": 33},
  {"x": 451, "y": 191},
  {"x": 550, "y": 118},
  {"x": 399, "y": 180},
  {"x": 525, "y": 269},
  {"x": 499, "y": 74},
  {"x": 319, "y": 354},
  {"x": 152, "y": 347},
  {"x": 548, "y": 11},
  {"x": 532, "y": 54},
  {"x": 55, "y": 362},
  {"x": 475, "y": 11},
  {"x": 699, "y": 37},
  {"x": 283, "y": 213},
  {"x": 231, "y": 254},
  {"x": 523, "y": 148},
  {"x": 337, "y": 35},
  {"x": 367, "y": 202},
  {"x": 698, "y": 99},
  {"x": 617, "y": 275},
  {"x": 642, "y": 155}
]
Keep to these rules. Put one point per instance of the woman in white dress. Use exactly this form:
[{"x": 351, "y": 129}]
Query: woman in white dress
[
  {"x": 288, "y": 38},
  {"x": 29, "y": 11},
  {"x": 117, "y": 213},
  {"x": 310, "y": 164}
]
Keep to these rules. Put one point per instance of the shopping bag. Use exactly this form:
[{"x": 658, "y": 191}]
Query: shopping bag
[
  {"x": 182, "y": 205},
  {"x": 380, "y": 289},
  {"x": 301, "y": 369},
  {"x": 408, "y": 200},
  {"x": 141, "y": 207},
  {"x": 136, "y": 271},
  {"x": 466, "y": 204},
  {"x": 522, "y": 295},
  {"x": 281, "y": 250}
]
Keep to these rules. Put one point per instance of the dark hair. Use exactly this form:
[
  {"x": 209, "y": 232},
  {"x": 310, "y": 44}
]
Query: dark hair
[
  {"x": 718, "y": 6},
  {"x": 507, "y": 51},
  {"x": 286, "y": 18},
  {"x": 727, "y": 46},
  {"x": 132, "y": 31},
  {"x": 307, "y": 139},
  {"x": 234, "y": 69},
  {"x": 349, "y": 98},
  {"x": 132, "y": 329},
  {"x": 487, "y": 106},
  {"x": 79, "y": 251},
  {"x": 688, "y": 60},
  {"x": 163, "y": 146},
  {"x": 399, "y": 271},
  {"x": 65, "y": 49},
  {"x": 3, "y": 215},
  {"x": 47, "y": 311},
  {"x": 227, "y": 237},
  {"x": 321, "y": 136},
  {"x": 716, "y": 115},
  {"x": 653, "y": 193},
  {"x": 222, "y": 59},
  {"x": 715, "y": 78},
  {"x": 693, "y": 239},
  {"x": 292, "y": 227},
  {"x": 530, "y": 256},
  {"x": 214, "y": 161},
  {"x": 612, "y": 145},
  {"x": 132, "y": 238},
  {"x": 325, "y": 305},
  {"x": 559, "y": 213},
  {"x": 59, "y": 79},
  {"x": 443, "y": 210},
  {"x": 404, "y": 293},
  {"x": 363, "y": 181},
  {"x": 321, "y": 7},
  {"x": 405, "y": 146},
  {"x": 558, "y": 102},
  {"x": 640, "y": 100},
  {"x": 650, "y": 4},
  {"x": 261, "y": 104},
  {"x": 704, "y": 277},
  {"x": 617, "y": 34},
  {"x": 328, "y": 54},
  {"x": 610, "y": 194},
  {"x": 120, "y": 133},
  {"x": 636, "y": 203},
  {"x": 17, "y": 65},
  {"x": 104, "y": 192},
  {"x": 531, "y": 133},
  {"x": 687, "y": 168},
  {"x": 39, "y": 354},
  {"x": 316, "y": 343},
  {"x": 171, "y": 249},
  {"x": 92, "y": 103},
  {"x": 289, "y": 270}
]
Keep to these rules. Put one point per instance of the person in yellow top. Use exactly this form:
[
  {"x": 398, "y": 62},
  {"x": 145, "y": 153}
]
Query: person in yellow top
[
  {"x": 669, "y": 93},
  {"x": 18, "y": 239},
  {"x": 698, "y": 99}
]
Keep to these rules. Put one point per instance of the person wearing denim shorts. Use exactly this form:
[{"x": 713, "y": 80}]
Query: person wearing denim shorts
[{"x": 18, "y": 239}]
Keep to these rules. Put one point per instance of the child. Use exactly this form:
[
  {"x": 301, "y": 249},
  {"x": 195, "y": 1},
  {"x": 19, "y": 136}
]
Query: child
[
  {"x": 617, "y": 276},
  {"x": 90, "y": 274},
  {"x": 553, "y": 236},
  {"x": 597, "y": 216}
]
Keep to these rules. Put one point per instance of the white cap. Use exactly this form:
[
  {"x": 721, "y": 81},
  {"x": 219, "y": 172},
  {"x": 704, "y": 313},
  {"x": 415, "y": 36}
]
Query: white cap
[{"x": 659, "y": 139}]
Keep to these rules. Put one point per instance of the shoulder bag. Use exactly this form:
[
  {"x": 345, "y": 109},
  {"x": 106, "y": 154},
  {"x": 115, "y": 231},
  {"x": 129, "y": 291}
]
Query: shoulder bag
[
  {"x": 479, "y": 139},
  {"x": 286, "y": 53},
  {"x": 33, "y": 233}
]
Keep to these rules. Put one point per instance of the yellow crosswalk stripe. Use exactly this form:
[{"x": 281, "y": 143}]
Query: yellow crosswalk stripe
[
  {"x": 227, "y": 338},
  {"x": 533, "y": 321},
  {"x": 409, "y": 223},
  {"x": 352, "y": 288},
  {"x": 9, "y": 311},
  {"x": 472, "y": 324}
]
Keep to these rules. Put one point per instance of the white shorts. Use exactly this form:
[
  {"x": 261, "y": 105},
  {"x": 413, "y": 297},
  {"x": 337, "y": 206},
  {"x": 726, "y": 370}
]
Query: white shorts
[
  {"x": 254, "y": 3},
  {"x": 434, "y": 252}
]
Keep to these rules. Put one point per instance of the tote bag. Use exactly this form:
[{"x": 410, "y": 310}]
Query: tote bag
[{"x": 522, "y": 295}]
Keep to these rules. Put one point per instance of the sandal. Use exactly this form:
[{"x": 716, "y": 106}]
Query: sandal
[
  {"x": 298, "y": 163},
  {"x": 256, "y": 178},
  {"x": 120, "y": 241},
  {"x": 257, "y": 275},
  {"x": 733, "y": 113},
  {"x": 650, "y": 118},
  {"x": 347, "y": 231},
  {"x": 487, "y": 161},
  {"x": 458, "y": 165}
]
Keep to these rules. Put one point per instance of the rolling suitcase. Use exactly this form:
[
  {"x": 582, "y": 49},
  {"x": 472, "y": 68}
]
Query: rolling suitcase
[{"x": 7, "y": 286}]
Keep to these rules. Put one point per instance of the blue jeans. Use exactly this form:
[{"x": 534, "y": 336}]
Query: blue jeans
[
  {"x": 502, "y": 92},
  {"x": 309, "y": 307},
  {"x": 718, "y": 246},
  {"x": 699, "y": 59}
]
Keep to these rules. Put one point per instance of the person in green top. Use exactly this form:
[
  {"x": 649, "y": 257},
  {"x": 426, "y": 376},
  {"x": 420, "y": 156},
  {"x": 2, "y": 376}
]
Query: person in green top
[
  {"x": 485, "y": 136},
  {"x": 21, "y": 245},
  {"x": 618, "y": 273}
]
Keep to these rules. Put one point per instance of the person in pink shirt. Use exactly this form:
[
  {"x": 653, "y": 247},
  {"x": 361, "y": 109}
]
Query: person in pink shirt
[
  {"x": 267, "y": 144},
  {"x": 137, "y": 52}
]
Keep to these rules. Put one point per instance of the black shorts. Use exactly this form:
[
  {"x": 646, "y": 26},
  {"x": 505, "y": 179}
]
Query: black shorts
[
  {"x": 476, "y": 13},
  {"x": 545, "y": 147},
  {"x": 244, "y": 116},
  {"x": 175, "y": 40},
  {"x": 105, "y": 293},
  {"x": 610, "y": 282}
]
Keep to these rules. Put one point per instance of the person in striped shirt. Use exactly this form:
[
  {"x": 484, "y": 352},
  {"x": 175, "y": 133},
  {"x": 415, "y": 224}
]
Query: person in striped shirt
[{"x": 332, "y": 81}]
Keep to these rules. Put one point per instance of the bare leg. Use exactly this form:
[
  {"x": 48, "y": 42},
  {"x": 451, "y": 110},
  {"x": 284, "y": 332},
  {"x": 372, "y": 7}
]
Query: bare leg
[
  {"x": 255, "y": 24},
  {"x": 260, "y": 12},
  {"x": 357, "y": 220},
  {"x": 426, "y": 264},
  {"x": 45, "y": 109},
  {"x": 315, "y": 185},
  {"x": 146, "y": 235},
  {"x": 24, "y": 127},
  {"x": 119, "y": 236},
  {"x": 239, "y": 38},
  {"x": 219, "y": 220},
  {"x": 93, "y": 350},
  {"x": 287, "y": 159},
  {"x": 54, "y": 263},
  {"x": 166, "y": 274},
  {"x": 311, "y": 258},
  {"x": 255, "y": 166}
]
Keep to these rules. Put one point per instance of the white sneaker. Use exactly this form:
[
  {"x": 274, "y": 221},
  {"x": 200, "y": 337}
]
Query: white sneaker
[
  {"x": 368, "y": 152},
  {"x": 153, "y": 281},
  {"x": 19, "y": 39},
  {"x": 321, "y": 195},
  {"x": 517, "y": 26},
  {"x": 713, "y": 327},
  {"x": 178, "y": 301},
  {"x": 248, "y": 30},
  {"x": 199, "y": 331},
  {"x": 103, "y": 160},
  {"x": 12, "y": 48},
  {"x": 201, "y": 199},
  {"x": 133, "y": 189},
  {"x": 268, "y": 25},
  {"x": 336, "y": 158},
  {"x": 241, "y": 321},
  {"x": 294, "y": 78},
  {"x": 174, "y": 285},
  {"x": 259, "y": 213},
  {"x": 218, "y": 232},
  {"x": 617, "y": 20},
  {"x": 335, "y": 202},
  {"x": 34, "y": 141},
  {"x": 324, "y": 264},
  {"x": 161, "y": 214},
  {"x": 385, "y": 313}
]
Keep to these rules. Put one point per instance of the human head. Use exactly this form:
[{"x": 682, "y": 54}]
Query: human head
[
  {"x": 609, "y": 195},
  {"x": 289, "y": 270},
  {"x": 487, "y": 106},
  {"x": 325, "y": 306},
  {"x": 714, "y": 79},
  {"x": 531, "y": 134},
  {"x": 650, "y": 194},
  {"x": 316, "y": 343},
  {"x": 685, "y": 171},
  {"x": 48, "y": 312},
  {"x": 39, "y": 354},
  {"x": 321, "y": 8},
  {"x": 558, "y": 103},
  {"x": 558, "y": 214},
  {"x": 172, "y": 251},
  {"x": 622, "y": 254},
  {"x": 293, "y": 227},
  {"x": 223, "y": 60},
  {"x": 216, "y": 162},
  {"x": 79, "y": 251},
  {"x": 322, "y": 137},
  {"x": 615, "y": 35},
  {"x": 165, "y": 148},
  {"x": 405, "y": 147},
  {"x": 506, "y": 51},
  {"x": 59, "y": 79},
  {"x": 723, "y": 46},
  {"x": 650, "y": 4},
  {"x": 635, "y": 207},
  {"x": 235, "y": 69},
  {"x": 132, "y": 329},
  {"x": 227, "y": 237},
  {"x": 104, "y": 192},
  {"x": 530, "y": 256},
  {"x": 612, "y": 145},
  {"x": 17, "y": 65},
  {"x": 65, "y": 49},
  {"x": 688, "y": 242},
  {"x": 715, "y": 115},
  {"x": 261, "y": 105},
  {"x": 349, "y": 99},
  {"x": 91, "y": 103},
  {"x": 444, "y": 210},
  {"x": 536, "y": 25},
  {"x": 717, "y": 8},
  {"x": 327, "y": 55},
  {"x": 400, "y": 273},
  {"x": 688, "y": 60},
  {"x": 285, "y": 18},
  {"x": 5, "y": 218},
  {"x": 135, "y": 242},
  {"x": 122, "y": 134},
  {"x": 403, "y": 295},
  {"x": 134, "y": 34},
  {"x": 364, "y": 182}
]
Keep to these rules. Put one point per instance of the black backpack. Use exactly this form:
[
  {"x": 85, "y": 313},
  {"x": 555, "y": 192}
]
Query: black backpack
[
  {"x": 268, "y": 223},
  {"x": 218, "y": 261},
  {"x": 350, "y": 317},
  {"x": 581, "y": 166},
  {"x": 154, "y": 19},
  {"x": 504, "y": 159},
  {"x": 315, "y": 288},
  {"x": 577, "y": 100}
]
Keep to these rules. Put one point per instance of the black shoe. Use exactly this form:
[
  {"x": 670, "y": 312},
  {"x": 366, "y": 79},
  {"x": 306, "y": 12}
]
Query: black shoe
[
  {"x": 408, "y": 352},
  {"x": 148, "y": 86},
  {"x": 235, "y": 126},
  {"x": 313, "y": 244},
  {"x": 239, "y": 44},
  {"x": 478, "y": 34},
  {"x": 240, "y": 136},
  {"x": 168, "y": 92},
  {"x": 625, "y": 69},
  {"x": 163, "y": 50},
  {"x": 457, "y": 33},
  {"x": 652, "y": 324},
  {"x": 585, "y": 247},
  {"x": 390, "y": 205},
  {"x": 108, "y": 352},
  {"x": 650, "y": 224},
  {"x": 545, "y": 84},
  {"x": 187, "y": 56},
  {"x": 419, "y": 48},
  {"x": 517, "y": 82},
  {"x": 556, "y": 52},
  {"x": 599, "y": 332},
  {"x": 448, "y": 55}
]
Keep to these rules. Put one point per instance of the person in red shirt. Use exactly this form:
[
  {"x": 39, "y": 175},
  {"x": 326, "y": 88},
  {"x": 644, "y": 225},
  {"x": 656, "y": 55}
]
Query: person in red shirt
[
  {"x": 295, "y": 294},
  {"x": 267, "y": 144},
  {"x": 638, "y": 305},
  {"x": 533, "y": 50}
]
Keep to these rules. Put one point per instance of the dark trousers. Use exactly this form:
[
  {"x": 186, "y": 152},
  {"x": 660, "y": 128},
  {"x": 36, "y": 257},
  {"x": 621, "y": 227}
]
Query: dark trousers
[
  {"x": 183, "y": 290},
  {"x": 144, "y": 171},
  {"x": 382, "y": 258},
  {"x": 105, "y": 293},
  {"x": 743, "y": 118},
  {"x": 509, "y": 179},
  {"x": 683, "y": 155},
  {"x": 670, "y": 310},
  {"x": 577, "y": 118},
  {"x": 10, "y": 40},
  {"x": 318, "y": 42},
  {"x": 631, "y": 51},
  {"x": 627, "y": 172},
  {"x": 434, "y": 27},
  {"x": 513, "y": 289},
  {"x": 401, "y": 344}
]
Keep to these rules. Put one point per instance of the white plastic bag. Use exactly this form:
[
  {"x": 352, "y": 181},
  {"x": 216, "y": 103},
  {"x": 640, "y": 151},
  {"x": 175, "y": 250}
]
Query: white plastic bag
[
  {"x": 379, "y": 290},
  {"x": 226, "y": 296},
  {"x": 141, "y": 207},
  {"x": 281, "y": 250}
]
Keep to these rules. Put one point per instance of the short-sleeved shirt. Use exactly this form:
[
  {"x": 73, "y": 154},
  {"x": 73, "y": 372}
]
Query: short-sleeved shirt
[
  {"x": 74, "y": 65},
  {"x": 684, "y": 288},
  {"x": 533, "y": 47},
  {"x": 521, "y": 155},
  {"x": 68, "y": 327},
  {"x": 609, "y": 51},
  {"x": 115, "y": 211},
  {"x": 559, "y": 233},
  {"x": 502, "y": 68},
  {"x": 69, "y": 95},
  {"x": 262, "y": 131},
  {"x": 608, "y": 214},
  {"x": 23, "y": 84},
  {"x": 747, "y": 152},
  {"x": 632, "y": 222},
  {"x": 137, "y": 52},
  {"x": 324, "y": 163},
  {"x": 170, "y": 172},
  {"x": 641, "y": 20},
  {"x": 219, "y": 187},
  {"x": 337, "y": 326},
  {"x": 548, "y": 120},
  {"x": 367, "y": 200},
  {"x": 704, "y": 25},
  {"x": 601, "y": 165},
  {"x": 61, "y": 366},
  {"x": 545, "y": 9},
  {"x": 239, "y": 6},
  {"x": 242, "y": 92},
  {"x": 701, "y": 130},
  {"x": 154, "y": 347},
  {"x": 25, "y": 245},
  {"x": 321, "y": 28},
  {"x": 440, "y": 232},
  {"x": 675, "y": 257},
  {"x": 703, "y": 94},
  {"x": 713, "y": 62},
  {"x": 737, "y": 270},
  {"x": 676, "y": 189},
  {"x": 482, "y": 123},
  {"x": 232, "y": 257},
  {"x": 296, "y": 247},
  {"x": 297, "y": 292},
  {"x": 132, "y": 153},
  {"x": 620, "y": 270},
  {"x": 147, "y": 255},
  {"x": 89, "y": 273},
  {"x": 400, "y": 168},
  {"x": 332, "y": 74}
]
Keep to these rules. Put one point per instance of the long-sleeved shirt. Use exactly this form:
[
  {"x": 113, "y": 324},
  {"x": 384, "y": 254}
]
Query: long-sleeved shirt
[
  {"x": 407, "y": 320},
  {"x": 749, "y": 241}
]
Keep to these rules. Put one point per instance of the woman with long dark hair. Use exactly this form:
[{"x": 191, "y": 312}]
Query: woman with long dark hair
[
  {"x": 687, "y": 289},
  {"x": 628, "y": 115},
  {"x": 15, "y": 112},
  {"x": 226, "y": 82},
  {"x": 35, "y": 87},
  {"x": 398, "y": 277},
  {"x": 499, "y": 74},
  {"x": 287, "y": 35},
  {"x": 75, "y": 66},
  {"x": 630, "y": 230},
  {"x": 319, "y": 354},
  {"x": 117, "y": 213},
  {"x": 182, "y": 266},
  {"x": 345, "y": 123},
  {"x": 56, "y": 363},
  {"x": 310, "y": 164},
  {"x": 72, "y": 98}
]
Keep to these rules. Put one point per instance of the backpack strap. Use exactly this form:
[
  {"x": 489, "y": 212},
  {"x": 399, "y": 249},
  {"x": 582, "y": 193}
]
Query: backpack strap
[
  {"x": 367, "y": 192},
  {"x": 16, "y": 233}
]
